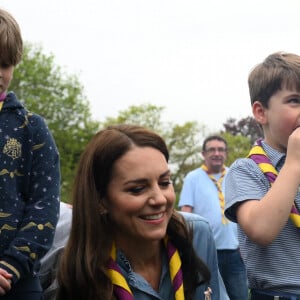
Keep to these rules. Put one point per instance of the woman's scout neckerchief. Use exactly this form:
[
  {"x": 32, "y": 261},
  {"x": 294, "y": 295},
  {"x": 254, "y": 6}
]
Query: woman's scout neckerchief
[
  {"x": 121, "y": 288},
  {"x": 259, "y": 156},
  {"x": 218, "y": 184}
]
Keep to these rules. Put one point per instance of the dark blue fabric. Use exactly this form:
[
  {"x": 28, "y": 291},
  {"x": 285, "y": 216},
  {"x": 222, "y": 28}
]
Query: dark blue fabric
[
  {"x": 25, "y": 289},
  {"x": 29, "y": 189},
  {"x": 233, "y": 272},
  {"x": 270, "y": 295}
]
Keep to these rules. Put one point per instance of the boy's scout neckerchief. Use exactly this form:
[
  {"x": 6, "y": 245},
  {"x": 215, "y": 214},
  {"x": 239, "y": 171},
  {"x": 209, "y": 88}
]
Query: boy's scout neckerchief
[
  {"x": 258, "y": 154},
  {"x": 121, "y": 288},
  {"x": 218, "y": 184},
  {"x": 2, "y": 97}
]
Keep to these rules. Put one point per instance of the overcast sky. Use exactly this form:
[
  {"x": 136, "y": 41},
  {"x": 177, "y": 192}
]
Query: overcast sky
[{"x": 191, "y": 57}]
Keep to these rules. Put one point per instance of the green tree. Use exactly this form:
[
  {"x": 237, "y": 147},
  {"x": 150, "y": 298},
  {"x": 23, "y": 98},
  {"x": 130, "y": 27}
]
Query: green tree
[
  {"x": 247, "y": 127},
  {"x": 238, "y": 146},
  {"x": 146, "y": 115},
  {"x": 185, "y": 150},
  {"x": 240, "y": 135},
  {"x": 59, "y": 98},
  {"x": 182, "y": 140}
]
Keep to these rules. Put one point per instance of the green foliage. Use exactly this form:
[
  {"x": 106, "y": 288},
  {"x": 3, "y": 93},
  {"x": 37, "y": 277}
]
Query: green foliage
[
  {"x": 238, "y": 146},
  {"x": 247, "y": 127},
  {"x": 182, "y": 140},
  {"x": 184, "y": 145},
  {"x": 240, "y": 136},
  {"x": 146, "y": 115},
  {"x": 60, "y": 99}
]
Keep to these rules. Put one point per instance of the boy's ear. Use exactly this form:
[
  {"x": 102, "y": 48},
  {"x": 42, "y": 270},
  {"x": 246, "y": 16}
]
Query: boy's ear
[{"x": 259, "y": 112}]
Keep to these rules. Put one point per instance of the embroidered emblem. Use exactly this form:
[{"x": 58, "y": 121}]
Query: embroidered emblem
[
  {"x": 23, "y": 248},
  {"x": 11, "y": 174},
  {"x": 39, "y": 226},
  {"x": 28, "y": 250},
  {"x": 7, "y": 227},
  {"x": 4, "y": 215},
  {"x": 38, "y": 146},
  {"x": 29, "y": 114},
  {"x": 13, "y": 148}
]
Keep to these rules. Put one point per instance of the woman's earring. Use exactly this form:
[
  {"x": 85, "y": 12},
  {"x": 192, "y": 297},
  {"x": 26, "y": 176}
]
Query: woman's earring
[
  {"x": 103, "y": 212},
  {"x": 102, "y": 209}
]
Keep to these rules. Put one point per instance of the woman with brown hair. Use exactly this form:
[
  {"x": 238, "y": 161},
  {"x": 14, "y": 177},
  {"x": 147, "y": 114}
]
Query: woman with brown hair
[{"x": 127, "y": 241}]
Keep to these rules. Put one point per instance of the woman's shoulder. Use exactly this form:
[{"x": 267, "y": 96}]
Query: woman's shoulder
[
  {"x": 202, "y": 233},
  {"x": 197, "y": 222},
  {"x": 193, "y": 218}
]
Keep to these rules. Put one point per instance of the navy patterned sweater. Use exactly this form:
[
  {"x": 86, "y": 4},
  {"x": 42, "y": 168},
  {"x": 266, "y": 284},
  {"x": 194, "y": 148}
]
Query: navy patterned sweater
[{"x": 29, "y": 189}]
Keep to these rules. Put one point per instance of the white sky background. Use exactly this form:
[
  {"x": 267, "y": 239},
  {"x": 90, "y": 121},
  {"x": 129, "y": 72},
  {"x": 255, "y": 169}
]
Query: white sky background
[{"x": 191, "y": 57}]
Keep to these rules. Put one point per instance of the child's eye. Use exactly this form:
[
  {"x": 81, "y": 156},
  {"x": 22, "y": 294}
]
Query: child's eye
[
  {"x": 294, "y": 100},
  {"x": 4, "y": 65},
  {"x": 165, "y": 183}
]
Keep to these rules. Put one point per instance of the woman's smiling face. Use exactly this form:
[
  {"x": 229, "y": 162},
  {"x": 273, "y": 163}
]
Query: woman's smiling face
[{"x": 140, "y": 195}]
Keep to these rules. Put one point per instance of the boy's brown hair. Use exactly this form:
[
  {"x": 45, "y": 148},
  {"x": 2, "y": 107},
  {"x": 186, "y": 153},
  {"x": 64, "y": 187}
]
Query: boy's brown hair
[
  {"x": 279, "y": 70},
  {"x": 11, "y": 43}
]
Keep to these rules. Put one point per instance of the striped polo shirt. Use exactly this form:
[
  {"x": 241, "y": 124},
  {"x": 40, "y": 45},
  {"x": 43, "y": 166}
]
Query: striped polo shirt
[{"x": 276, "y": 266}]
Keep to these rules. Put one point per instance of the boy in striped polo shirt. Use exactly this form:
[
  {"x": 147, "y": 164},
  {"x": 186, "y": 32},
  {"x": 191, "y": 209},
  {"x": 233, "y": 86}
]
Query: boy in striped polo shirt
[{"x": 262, "y": 193}]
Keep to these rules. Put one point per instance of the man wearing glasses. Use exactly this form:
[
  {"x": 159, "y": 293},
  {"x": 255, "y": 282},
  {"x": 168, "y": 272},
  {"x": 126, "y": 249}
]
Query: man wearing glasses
[{"x": 203, "y": 193}]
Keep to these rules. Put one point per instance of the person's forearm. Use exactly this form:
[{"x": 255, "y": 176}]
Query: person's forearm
[{"x": 264, "y": 219}]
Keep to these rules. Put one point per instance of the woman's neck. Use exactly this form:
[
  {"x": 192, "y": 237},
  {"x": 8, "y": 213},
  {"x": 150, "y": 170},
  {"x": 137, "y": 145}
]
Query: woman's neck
[{"x": 145, "y": 260}]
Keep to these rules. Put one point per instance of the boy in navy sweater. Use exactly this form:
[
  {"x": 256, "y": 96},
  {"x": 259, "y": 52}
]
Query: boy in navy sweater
[{"x": 29, "y": 180}]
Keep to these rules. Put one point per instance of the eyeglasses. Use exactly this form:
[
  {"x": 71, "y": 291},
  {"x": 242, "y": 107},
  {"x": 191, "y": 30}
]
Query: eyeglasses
[{"x": 213, "y": 150}]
